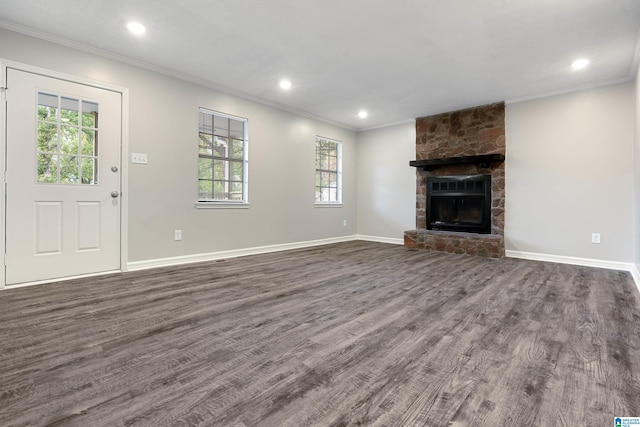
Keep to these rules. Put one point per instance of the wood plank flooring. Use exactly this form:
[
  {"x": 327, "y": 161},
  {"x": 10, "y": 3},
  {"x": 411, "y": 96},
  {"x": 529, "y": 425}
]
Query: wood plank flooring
[{"x": 351, "y": 334}]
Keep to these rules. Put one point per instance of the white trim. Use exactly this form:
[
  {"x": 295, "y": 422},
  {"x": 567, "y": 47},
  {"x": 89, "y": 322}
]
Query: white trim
[
  {"x": 3, "y": 156},
  {"x": 388, "y": 125},
  {"x": 586, "y": 262},
  {"x": 124, "y": 147},
  {"x": 560, "y": 259},
  {"x": 221, "y": 205},
  {"x": 378, "y": 239},
  {"x": 570, "y": 89},
  {"x": 234, "y": 253},
  {"x": 635, "y": 273},
  {"x": 61, "y": 279},
  {"x": 327, "y": 205}
]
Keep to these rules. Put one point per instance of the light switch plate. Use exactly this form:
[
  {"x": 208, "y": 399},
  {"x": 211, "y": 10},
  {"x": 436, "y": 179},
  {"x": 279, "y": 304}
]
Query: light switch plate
[{"x": 139, "y": 158}]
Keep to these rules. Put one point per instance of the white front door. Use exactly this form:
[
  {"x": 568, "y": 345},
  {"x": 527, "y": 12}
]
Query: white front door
[{"x": 63, "y": 178}]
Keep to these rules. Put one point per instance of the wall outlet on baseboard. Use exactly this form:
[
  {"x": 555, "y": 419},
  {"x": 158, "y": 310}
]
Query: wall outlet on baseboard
[
  {"x": 344, "y": 223},
  {"x": 177, "y": 235},
  {"x": 595, "y": 238}
]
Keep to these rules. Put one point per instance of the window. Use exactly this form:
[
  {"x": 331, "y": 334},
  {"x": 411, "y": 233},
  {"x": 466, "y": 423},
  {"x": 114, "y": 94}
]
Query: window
[
  {"x": 67, "y": 151},
  {"x": 222, "y": 158},
  {"x": 328, "y": 171}
]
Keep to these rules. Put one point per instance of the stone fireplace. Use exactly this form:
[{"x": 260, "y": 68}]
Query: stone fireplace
[{"x": 460, "y": 182}]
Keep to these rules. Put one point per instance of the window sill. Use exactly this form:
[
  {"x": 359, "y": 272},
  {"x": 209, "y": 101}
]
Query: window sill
[
  {"x": 221, "y": 205},
  {"x": 328, "y": 205}
]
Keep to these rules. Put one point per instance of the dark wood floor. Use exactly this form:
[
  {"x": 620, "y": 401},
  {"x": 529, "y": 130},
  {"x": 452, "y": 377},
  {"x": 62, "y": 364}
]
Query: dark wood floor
[{"x": 356, "y": 333}]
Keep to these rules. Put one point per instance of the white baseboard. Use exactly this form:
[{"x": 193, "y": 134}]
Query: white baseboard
[
  {"x": 234, "y": 253},
  {"x": 212, "y": 256},
  {"x": 380, "y": 239},
  {"x": 635, "y": 272},
  {"x": 587, "y": 262}
]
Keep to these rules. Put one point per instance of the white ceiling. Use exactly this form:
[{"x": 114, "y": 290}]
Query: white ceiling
[{"x": 397, "y": 59}]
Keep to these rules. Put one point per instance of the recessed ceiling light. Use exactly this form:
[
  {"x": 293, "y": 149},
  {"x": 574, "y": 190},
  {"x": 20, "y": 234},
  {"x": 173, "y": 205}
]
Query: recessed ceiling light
[
  {"x": 285, "y": 84},
  {"x": 136, "y": 28},
  {"x": 580, "y": 64},
  {"x": 363, "y": 114}
]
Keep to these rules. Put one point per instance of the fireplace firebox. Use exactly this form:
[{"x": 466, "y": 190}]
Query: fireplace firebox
[{"x": 459, "y": 203}]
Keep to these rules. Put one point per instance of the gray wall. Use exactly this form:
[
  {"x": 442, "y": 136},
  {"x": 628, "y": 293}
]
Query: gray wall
[
  {"x": 386, "y": 183},
  {"x": 162, "y": 194},
  {"x": 569, "y": 173}
]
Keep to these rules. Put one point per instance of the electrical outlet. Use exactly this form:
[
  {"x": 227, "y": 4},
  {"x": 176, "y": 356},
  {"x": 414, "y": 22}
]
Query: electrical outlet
[
  {"x": 177, "y": 235},
  {"x": 139, "y": 158},
  {"x": 595, "y": 238},
  {"x": 344, "y": 223}
]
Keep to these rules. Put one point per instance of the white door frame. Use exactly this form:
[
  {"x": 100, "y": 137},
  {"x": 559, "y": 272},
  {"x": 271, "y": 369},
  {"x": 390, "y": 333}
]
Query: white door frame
[{"x": 124, "y": 154}]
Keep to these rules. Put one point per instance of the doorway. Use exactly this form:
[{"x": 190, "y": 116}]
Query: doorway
[{"x": 63, "y": 178}]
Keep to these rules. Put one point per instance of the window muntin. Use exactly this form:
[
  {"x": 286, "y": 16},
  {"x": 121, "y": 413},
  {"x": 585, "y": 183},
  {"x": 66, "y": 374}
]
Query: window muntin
[
  {"x": 328, "y": 171},
  {"x": 222, "y": 158},
  {"x": 67, "y": 145}
]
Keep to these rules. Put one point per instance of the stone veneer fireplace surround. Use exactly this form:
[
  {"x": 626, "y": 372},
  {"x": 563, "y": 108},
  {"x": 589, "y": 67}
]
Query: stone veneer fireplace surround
[{"x": 460, "y": 143}]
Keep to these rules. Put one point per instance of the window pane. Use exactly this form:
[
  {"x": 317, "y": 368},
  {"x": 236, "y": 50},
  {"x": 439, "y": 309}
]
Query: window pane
[
  {"x": 89, "y": 114},
  {"x": 220, "y": 146},
  {"x": 69, "y": 170},
  {"x": 237, "y": 149},
  {"x": 47, "y": 107},
  {"x": 205, "y": 168},
  {"x": 48, "y": 168},
  {"x": 69, "y": 111},
  {"x": 332, "y": 163},
  {"x": 220, "y": 190},
  {"x": 89, "y": 171},
  {"x": 236, "y": 191},
  {"x": 69, "y": 139},
  {"x": 220, "y": 126},
  {"x": 328, "y": 178},
  {"x": 236, "y": 171},
  {"x": 220, "y": 169},
  {"x": 89, "y": 142},
  {"x": 205, "y": 123},
  {"x": 205, "y": 189},
  {"x": 205, "y": 144},
  {"x": 333, "y": 194},
  {"x": 47, "y": 137},
  {"x": 237, "y": 129}
]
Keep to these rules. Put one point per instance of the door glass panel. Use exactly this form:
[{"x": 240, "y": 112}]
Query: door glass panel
[
  {"x": 47, "y": 137},
  {"x": 47, "y": 108},
  {"x": 48, "y": 168},
  {"x": 69, "y": 139},
  {"x": 89, "y": 172},
  {"x": 69, "y": 111},
  {"x": 69, "y": 170},
  {"x": 89, "y": 142},
  {"x": 89, "y": 114},
  {"x": 67, "y": 145}
]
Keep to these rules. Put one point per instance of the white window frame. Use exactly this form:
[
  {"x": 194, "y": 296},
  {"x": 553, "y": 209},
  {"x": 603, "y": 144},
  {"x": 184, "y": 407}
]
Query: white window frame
[
  {"x": 338, "y": 172},
  {"x": 227, "y": 203}
]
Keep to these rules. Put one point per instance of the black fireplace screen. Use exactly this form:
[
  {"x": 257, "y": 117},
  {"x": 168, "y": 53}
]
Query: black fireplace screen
[{"x": 459, "y": 203}]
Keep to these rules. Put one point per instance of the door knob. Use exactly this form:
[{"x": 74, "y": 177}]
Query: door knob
[
  {"x": 114, "y": 169},
  {"x": 115, "y": 194}
]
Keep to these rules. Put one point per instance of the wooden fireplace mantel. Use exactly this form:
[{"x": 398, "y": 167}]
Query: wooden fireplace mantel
[{"x": 482, "y": 160}]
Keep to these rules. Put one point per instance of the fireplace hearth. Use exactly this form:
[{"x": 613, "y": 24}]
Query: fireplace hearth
[{"x": 459, "y": 203}]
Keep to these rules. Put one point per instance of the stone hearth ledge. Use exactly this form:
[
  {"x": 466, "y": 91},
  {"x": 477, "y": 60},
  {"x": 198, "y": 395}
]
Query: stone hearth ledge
[{"x": 487, "y": 245}]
